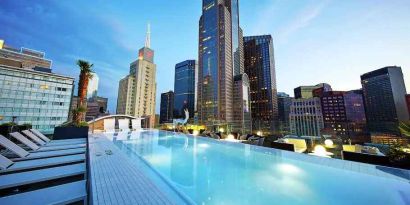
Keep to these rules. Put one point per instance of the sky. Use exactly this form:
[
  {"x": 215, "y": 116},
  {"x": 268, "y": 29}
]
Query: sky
[{"x": 315, "y": 41}]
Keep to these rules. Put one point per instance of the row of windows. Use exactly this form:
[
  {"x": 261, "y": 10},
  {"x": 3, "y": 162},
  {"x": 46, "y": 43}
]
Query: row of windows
[
  {"x": 8, "y": 74},
  {"x": 32, "y": 110},
  {"x": 31, "y": 118},
  {"x": 31, "y": 102},
  {"x": 17, "y": 93}
]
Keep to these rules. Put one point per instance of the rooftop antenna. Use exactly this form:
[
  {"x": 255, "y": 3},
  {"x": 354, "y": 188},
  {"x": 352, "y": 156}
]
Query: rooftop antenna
[{"x": 148, "y": 37}]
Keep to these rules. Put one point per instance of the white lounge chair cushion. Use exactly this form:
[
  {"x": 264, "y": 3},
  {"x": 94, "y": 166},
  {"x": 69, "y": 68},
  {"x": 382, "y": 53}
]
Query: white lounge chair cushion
[
  {"x": 62, "y": 194},
  {"x": 4, "y": 162},
  {"x": 25, "y": 141},
  {"x": 39, "y": 163},
  {"x": 55, "y": 153},
  {"x": 30, "y": 177},
  {"x": 6, "y": 143},
  {"x": 39, "y": 134},
  {"x": 33, "y": 137}
]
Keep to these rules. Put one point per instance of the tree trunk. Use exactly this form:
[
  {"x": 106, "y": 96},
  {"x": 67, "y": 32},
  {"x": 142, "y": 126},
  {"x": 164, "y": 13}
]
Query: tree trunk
[{"x": 82, "y": 94}]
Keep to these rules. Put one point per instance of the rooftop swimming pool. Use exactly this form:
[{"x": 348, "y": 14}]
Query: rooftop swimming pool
[{"x": 207, "y": 171}]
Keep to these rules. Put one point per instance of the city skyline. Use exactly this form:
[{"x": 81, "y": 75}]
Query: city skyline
[{"x": 304, "y": 33}]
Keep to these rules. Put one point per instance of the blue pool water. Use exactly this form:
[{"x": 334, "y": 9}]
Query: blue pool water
[{"x": 213, "y": 172}]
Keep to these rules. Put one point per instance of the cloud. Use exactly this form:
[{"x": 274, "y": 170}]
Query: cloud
[{"x": 302, "y": 20}]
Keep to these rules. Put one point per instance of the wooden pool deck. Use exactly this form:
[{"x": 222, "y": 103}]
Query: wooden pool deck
[{"x": 117, "y": 180}]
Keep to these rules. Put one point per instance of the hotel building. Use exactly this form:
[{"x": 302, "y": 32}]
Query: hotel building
[{"x": 30, "y": 93}]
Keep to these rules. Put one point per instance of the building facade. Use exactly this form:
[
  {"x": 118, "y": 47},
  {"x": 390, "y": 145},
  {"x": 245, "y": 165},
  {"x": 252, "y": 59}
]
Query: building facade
[
  {"x": 344, "y": 115},
  {"x": 260, "y": 67},
  {"x": 166, "y": 107},
  {"x": 284, "y": 103},
  {"x": 26, "y": 58},
  {"x": 137, "y": 91},
  {"x": 41, "y": 99},
  {"x": 186, "y": 78},
  {"x": 306, "y": 117},
  {"x": 219, "y": 59},
  {"x": 242, "y": 105},
  {"x": 92, "y": 88},
  {"x": 307, "y": 91},
  {"x": 96, "y": 107},
  {"x": 384, "y": 95}
]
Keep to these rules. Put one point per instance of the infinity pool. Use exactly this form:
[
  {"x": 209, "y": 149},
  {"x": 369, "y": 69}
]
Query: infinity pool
[{"x": 206, "y": 171}]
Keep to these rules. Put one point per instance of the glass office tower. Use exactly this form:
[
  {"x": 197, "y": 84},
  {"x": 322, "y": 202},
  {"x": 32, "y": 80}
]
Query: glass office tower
[
  {"x": 284, "y": 103},
  {"x": 185, "y": 88},
  {"x": 166, "y": 107},
  {"x": 260, "y": 67},
  {"x": 218, "y": 61},
  {"x": 41, "y": 99},
  {"x": 384, "y": 95}
]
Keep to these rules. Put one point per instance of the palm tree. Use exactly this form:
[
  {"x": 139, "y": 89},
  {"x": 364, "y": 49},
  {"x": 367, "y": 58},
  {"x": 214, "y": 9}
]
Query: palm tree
[
  {"x": 85, "y": 76},
  {"x": 405, "y": 128}
]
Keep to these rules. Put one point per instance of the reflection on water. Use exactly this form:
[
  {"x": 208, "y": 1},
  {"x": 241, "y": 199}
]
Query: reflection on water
[{"x": 211, "y": 172}]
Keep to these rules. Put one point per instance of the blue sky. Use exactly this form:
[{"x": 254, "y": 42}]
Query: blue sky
[{"x": 315, "y": 40}]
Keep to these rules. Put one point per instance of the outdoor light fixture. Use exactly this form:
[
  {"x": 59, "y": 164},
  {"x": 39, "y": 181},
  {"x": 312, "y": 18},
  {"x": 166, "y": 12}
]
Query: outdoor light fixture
[
  {"x": 195, "y": 132},
  {"x": 221, "y": 129},
  {"x": 329, "y": 143},
  {"x": 259, "y": 133},
  {"x": 230, "y": 137}
]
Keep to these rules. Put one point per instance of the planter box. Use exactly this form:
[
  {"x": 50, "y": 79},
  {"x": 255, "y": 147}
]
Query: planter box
[
  {"x": 62, "y": 133},
  {"x": 4, "y": 130}
]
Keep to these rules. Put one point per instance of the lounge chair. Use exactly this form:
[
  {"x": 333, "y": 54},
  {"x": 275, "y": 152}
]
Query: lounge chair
[
  {"x": 282, "y": 146},
  {"x": 109, "y": 125},
  {"x": 31, "y": 145},
  {"x": 366, "y": 158},
  {"x": 35, "y": 176},
  {"x": 61, "y": 194},
  {"x": 299, "y": 144},
  {"x": 124, "y": 124},
  {"x": 8, "y": 166},
  {"x": 24, "y": 155},
  {"x": 41, "y": 142},
  {"x": 55, "y": 142},
  {"x": 136, "y": 124}
]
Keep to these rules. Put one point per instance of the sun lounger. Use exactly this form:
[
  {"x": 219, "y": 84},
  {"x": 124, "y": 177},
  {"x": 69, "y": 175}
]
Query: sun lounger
[
  {"x": 53, "y": 142},
  {"x": 124, "y": 124},
  {"x": 109, "y": 125},
  {"x": 41, "y": 142},
  {"x": 7, "y": 166},
  {"x": 136, "y": 124},
  {"x": 34, "y": 147},
  {"x": 61, "y": 194},
  {"x": 41, "y": 175},
  {"x": 24, "y": 155}
]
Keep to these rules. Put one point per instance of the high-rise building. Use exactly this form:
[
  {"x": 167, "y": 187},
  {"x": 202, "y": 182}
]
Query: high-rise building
[
  {"x": 242, "y": 115},
  {"x": 284, "y": 103},
  {"x": 384, "y": 95},
  {"x": 166, "y": 107},
  {"x": 344, "y": 115},
  {"x": 306, "y": 117},
  {"x": 137, "y": 91},
  {"x": 30, "y": 94},
  {"x": 25, "y": 57},
  {"x": 408, "y": 103},
  {"x": 308, "y": 91},
  {"x": 92, "y": 86},
  {"x": 218, "y": 61},
  {"x": 260, "y": 67},
  {"x": 186, "y": 75},
  {"x": 96, "y": 107}
]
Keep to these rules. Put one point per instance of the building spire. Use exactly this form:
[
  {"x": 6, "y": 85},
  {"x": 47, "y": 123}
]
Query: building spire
[{"x": 148, "y": 37}]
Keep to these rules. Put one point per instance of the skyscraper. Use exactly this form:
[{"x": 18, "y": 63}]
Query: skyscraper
[
  {"x": 242, "y": 115},
  {"x": 137, "y": 91},
  {"x": 384, "y": 95},
  {"x": 30, "y": 93},
  {"x": 186, "y": 77},
  {"x": 166, "y": 107},
  {"x": 92, "y": 86},
  {"x": 284, "y": 103},
  {"x": 260, "y": 67},
  {"x": 219, "y": 60}
]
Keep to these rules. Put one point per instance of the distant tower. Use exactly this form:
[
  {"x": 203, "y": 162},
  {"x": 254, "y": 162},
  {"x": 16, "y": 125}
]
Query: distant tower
[
  {"x": 220, "y": 58},
  {"x": 384, "y": 96},
  {"x": 137, "y": 91},
  {"x": 92, "y": 89}
]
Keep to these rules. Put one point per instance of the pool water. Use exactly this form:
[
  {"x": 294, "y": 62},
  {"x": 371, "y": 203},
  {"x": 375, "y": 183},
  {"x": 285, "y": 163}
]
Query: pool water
[{"x": 208, "y": 171}]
